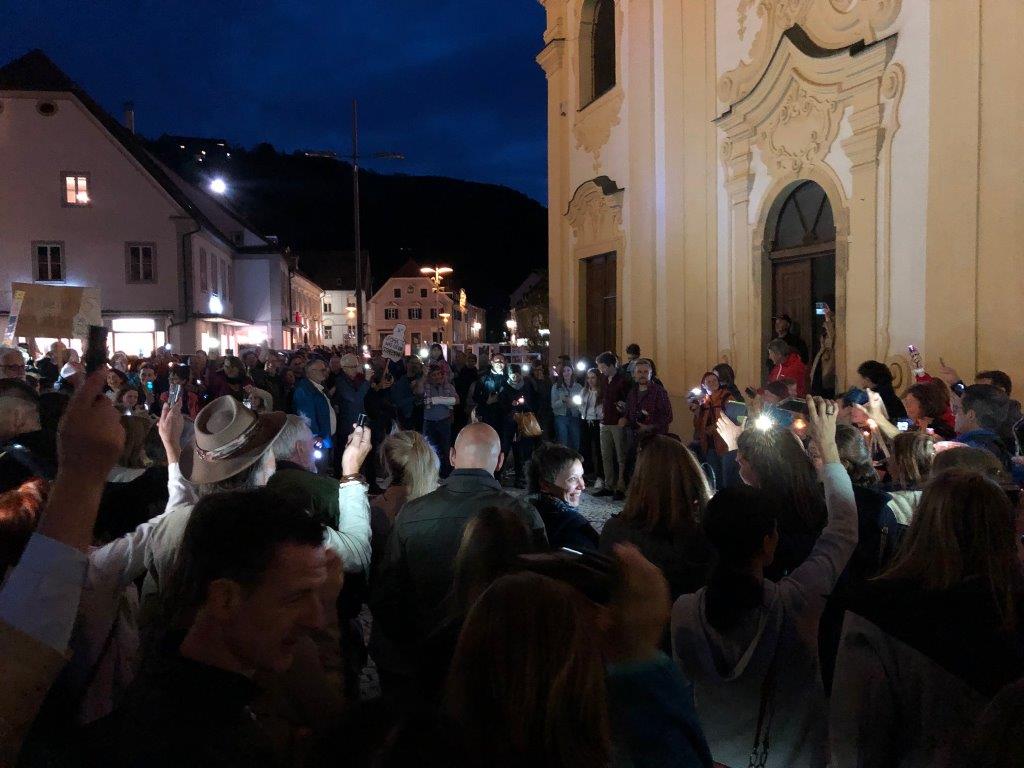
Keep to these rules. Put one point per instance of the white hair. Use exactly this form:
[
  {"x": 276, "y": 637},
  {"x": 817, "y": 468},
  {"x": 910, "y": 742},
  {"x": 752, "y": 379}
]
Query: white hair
[{"x": 295, "y": 428}]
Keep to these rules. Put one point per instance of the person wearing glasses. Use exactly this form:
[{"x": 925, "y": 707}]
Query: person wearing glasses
[{"x": 12, "y": 364}]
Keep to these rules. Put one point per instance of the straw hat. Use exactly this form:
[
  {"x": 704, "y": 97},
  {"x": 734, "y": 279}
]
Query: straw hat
[{"x": 228, "y": 438}]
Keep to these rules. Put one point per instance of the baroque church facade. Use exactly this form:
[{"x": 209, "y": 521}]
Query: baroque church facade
[{"x": 713, "y": 163}]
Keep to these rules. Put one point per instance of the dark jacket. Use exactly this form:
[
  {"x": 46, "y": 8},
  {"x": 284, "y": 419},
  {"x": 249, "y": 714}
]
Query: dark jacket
[
  {"x": 685, "y": 559},
  {"x": 893, "y": 405},
  {"x": 494, "y": 414},
  {"x": 415, "y": 575},
  {"x": 565, "y": 526},
  {"x": 350, "y": 400},
  {"x": 125, "y": 506},
  {"x": 319, "y": 493},
  {"x": 616, "y": 391},
  {"x": 180, "y": 712}
]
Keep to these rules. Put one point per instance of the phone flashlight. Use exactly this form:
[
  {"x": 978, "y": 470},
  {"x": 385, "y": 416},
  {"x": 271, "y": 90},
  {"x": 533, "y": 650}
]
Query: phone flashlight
[
  {"x": 903, "y": 424},
  {"x": 318, "y": 454},
  {"x": 577, "y": 400},
  {"x": 696, "y": 392},
  {"x": 127, "y": 411},
  {"x": 366, "y": 366},
  {"x": 763, "y": 423},
  {"x": 581, "y": 366},
  {"x": 525, "y": 367}
]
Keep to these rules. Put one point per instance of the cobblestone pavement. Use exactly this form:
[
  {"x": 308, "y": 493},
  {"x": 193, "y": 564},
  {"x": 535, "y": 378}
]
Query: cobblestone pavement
[{"x": 596, "y": 510}]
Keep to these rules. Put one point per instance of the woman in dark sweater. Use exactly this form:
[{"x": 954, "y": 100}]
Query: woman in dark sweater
[{"x": 664, "y": 507}]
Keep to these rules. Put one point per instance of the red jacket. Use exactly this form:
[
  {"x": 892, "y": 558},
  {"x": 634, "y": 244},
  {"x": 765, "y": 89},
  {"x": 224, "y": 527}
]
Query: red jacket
[{"x": 791, "y": 368}]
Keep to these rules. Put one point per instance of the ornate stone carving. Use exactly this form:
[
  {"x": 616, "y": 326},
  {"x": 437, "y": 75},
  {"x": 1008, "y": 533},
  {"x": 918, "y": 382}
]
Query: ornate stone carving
[
  {"x": 552, "y": 57},
  {"x": 833, "y": 25},
  {"x": 800, "y": 131},
  {"x": 593, "y": 126},
  {"x": 595, "y": 212}
]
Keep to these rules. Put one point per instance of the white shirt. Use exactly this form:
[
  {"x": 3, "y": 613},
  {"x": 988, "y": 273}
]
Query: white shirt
[{"x": 330, "y": 408}]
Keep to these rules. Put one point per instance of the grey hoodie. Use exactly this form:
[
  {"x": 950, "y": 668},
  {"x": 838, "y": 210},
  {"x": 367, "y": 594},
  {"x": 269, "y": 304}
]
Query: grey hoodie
[{"x": 728, "y": 671}]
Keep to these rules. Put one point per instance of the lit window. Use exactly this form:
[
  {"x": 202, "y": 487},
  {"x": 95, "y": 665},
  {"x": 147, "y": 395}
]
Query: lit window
[
  {"x": 415, "y": 313},
  {"x": 327, "y": 331},
  {"x": 391, "y": 313},
  {"x": 398, "y": 293},
  {"x": 76, "y": 189},
  {"x": 204, "y": 281},
  {"x": 141, "y": 262},
  {"x": 49, "y": 259}
]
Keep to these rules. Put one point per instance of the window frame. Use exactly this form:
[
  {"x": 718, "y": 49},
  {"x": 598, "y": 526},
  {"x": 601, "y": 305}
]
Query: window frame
[
  {"x": 64, "y": 175},
  {"x": 390, "y": 313},
  {"x": 417, "y": 316},
  {"x": 423, "y": 293},
  {"x": 588, "y": 92},
  {"x": 63, "y": 261},
  {"x": 397, "y": 293},
  {"x": 128, "y": 263}
]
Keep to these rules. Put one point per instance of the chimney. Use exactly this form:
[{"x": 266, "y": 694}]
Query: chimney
[{"x": 129, "y": 115}]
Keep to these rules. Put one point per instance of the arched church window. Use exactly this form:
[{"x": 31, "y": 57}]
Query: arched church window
[
  {"x": 805, "y": 219},
  {"x": 597, "y": 50}
]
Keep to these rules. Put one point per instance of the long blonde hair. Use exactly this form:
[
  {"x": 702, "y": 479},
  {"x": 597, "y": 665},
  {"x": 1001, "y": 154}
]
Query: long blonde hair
[
  {"x": 669, "y": 492},
  {"x": 410, "y": 462}
]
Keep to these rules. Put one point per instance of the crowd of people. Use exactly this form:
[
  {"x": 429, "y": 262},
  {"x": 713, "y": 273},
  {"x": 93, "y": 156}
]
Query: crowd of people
[{"x": 203, "y": 557}]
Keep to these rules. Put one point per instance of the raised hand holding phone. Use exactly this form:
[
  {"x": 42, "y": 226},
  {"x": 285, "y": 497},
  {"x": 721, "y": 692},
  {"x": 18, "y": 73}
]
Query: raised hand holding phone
[{"x": 821, "y": 418}]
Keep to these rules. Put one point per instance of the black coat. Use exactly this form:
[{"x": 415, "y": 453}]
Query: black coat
[
  {"x": 565, "y": 526},
  {"x": 685, "y": 559}
]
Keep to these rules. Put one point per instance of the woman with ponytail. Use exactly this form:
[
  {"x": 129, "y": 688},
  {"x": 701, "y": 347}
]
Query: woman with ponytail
[{"x": 750, "y": 645}]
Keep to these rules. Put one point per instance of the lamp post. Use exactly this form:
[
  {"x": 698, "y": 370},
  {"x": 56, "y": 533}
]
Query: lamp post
[
  {"x": 356, "y": 233},
  {"x": 437, "y": 275}
]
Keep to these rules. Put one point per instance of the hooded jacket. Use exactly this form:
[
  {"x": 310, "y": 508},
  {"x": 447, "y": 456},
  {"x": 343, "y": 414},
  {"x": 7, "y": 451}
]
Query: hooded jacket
[
  {"x": 915, "y": 669},
  {"x": 777, "y": 641}
]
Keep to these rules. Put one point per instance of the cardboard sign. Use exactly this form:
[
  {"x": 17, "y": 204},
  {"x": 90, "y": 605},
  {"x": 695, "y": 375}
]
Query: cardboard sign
[
  {"x": 54, "y": 311},
  {"x": 393, "y": 346},
  {"x": 12, "y": 318}
]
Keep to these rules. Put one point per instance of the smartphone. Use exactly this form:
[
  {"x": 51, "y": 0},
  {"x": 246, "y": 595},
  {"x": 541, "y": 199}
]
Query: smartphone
[
  {"x": 361, "y": 420},
  {"x": 903, "y": 424},
  {"x": 820, "y": 308},
  {"x": 750, "y": 392},
  {"x": 855, "y": 396},
  {"x": 794, "y": 405},
  {"x": 915, "y": 356},
  {"x": 149, "y": 385},
  {"x": 736, "y": 410},
  {"x": 958, "y": 389},
  {"x": 173, "y": 393},
  {"x": 96, "y": 348}
]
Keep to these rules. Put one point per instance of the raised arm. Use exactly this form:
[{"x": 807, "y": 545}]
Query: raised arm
[
  {"x": 351, "y": 541},
  {"x": 818, "y": 574}
]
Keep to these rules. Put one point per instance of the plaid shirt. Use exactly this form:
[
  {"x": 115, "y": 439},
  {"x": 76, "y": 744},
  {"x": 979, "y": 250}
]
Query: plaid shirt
[{"x": 655, "y": 402}]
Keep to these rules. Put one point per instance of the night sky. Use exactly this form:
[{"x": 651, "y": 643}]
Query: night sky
[{"x": 452, "y": 84}]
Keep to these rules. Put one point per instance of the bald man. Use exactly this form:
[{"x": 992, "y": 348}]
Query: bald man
[{"x": 409, "y": 589}]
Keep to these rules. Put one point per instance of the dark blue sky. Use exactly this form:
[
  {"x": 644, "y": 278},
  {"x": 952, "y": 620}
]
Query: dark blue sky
[{"x": 451, "y": 83}]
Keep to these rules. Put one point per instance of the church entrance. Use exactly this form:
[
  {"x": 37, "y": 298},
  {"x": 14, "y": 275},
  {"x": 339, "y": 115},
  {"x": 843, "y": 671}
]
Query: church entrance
[{"x": 802, "y": 255}]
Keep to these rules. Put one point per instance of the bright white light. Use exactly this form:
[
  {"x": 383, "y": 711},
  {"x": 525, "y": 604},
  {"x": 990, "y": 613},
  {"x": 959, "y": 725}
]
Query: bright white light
[
  {"x": 526, "y": 367},
  {"x": 213, "y": 343},
  {"x": 82, "y": 197},
  {"x": 424, "y": 353},
  {"x": 318, "y": 455},
  {"x": 218, "y": 186},
  {"x": 763, "y": 423},
  {"x": 577, "y": 400},
  {"x": 696, "y": 391},
  {"x": 167, "y": 347},
  {"x": 216, "y": 305},
  {"x": 366, "y": 366},
  {"x": 581, "y": 366},
  {"x": 544, "y": 331}
]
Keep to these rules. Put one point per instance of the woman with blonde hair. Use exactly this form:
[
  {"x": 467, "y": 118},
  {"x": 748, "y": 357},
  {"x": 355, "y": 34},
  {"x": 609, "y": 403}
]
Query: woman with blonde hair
[
  {"x": 664, "y": 507},
  {"x": 936, "y": 636},
  {"x": 412, "y": 468}
]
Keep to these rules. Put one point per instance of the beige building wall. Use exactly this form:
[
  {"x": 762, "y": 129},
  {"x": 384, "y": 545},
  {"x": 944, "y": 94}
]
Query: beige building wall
[{"x": 717, "y": 112}]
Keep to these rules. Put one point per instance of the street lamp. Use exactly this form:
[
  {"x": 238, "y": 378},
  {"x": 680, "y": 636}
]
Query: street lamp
[
  {"x": 437, "y": 274},
  {"x": 218, "y": 186},
  {"x": 356, "y": 233}
]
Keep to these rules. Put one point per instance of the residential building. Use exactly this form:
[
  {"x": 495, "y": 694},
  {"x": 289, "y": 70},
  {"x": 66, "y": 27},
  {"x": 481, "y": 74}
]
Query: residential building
[
  {"x": 307, "y": 326},
  {"x": 335, "y": 273},
  {"x": 408, "y": 297},
  {"x": 713, "y": 163},
  {"x": 85, "y": 204}
]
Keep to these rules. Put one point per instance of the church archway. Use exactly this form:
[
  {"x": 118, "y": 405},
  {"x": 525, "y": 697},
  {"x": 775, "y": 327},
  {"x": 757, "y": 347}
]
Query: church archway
[{"x": 800, "y": 270}]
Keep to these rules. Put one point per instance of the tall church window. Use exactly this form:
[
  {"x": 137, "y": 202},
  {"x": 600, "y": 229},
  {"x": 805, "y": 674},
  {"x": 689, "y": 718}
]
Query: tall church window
[{"x": 597, "y": 50}]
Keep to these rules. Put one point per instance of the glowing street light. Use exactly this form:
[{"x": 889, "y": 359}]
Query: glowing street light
[
  {"x": 437, "y": 274},
  {"x": 218, "y": 186}
]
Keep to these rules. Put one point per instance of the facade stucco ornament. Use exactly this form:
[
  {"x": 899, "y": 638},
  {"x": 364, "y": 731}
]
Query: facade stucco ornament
[
  {"x": 800, "y": 132},
  {"x": 830, "y": 24},
  {"x": 594, "y": 123},
  {"x": 595, "y": 212}
]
